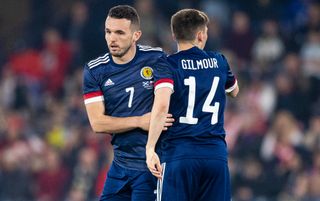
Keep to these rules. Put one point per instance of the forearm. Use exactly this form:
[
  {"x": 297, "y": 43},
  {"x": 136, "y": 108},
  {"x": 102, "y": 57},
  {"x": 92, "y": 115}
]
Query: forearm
[
  {"x": 156, "y": 124},
  {"x": 102, "y": 123},
  {"x": 114, "y": 125},
  {"x": 158, "y": 116}
]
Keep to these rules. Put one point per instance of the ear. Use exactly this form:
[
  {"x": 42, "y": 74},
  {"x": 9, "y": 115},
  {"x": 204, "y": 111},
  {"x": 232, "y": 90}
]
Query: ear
[
  {"x": 173, "y": 36},
  {"x": 200, "y": 36},
  {"x": 136, "y": 35}
]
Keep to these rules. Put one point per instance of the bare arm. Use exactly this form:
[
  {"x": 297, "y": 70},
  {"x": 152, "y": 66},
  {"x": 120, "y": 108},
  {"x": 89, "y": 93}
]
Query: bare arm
[
  {"x": 158, "y": 117},
  {"x": 102, "y": 123}
]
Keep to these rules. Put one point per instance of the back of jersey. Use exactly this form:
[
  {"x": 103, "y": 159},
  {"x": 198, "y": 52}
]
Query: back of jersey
[{"x": 200, "y": 82}]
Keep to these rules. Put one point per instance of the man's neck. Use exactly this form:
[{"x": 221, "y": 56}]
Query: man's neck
[
  {"x": 187, "y": 45},
  {"x": 127, "y": 57}
]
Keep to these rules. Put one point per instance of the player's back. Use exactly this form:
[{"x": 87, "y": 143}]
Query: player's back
[{"x": 197, "y": 104}]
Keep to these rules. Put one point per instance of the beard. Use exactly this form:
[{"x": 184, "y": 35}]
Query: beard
[{"x": 121, "y": 53}]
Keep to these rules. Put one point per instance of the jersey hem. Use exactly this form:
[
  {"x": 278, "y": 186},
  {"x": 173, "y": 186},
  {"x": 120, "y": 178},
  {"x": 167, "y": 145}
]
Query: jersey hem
[
  {"x": 194, "y": 157},
  {"x": 141, "y": 168}
]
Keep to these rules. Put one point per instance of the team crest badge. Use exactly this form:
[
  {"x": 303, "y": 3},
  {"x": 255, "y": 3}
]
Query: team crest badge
[{"x": 147, "y": 73}]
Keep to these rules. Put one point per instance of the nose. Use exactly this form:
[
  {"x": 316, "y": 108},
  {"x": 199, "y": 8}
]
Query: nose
[{"x": 111, "y": 37}]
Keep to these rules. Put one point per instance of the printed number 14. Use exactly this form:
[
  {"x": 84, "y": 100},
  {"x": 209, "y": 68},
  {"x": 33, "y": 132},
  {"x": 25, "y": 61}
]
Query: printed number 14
[{"x": 207, "y": 107}]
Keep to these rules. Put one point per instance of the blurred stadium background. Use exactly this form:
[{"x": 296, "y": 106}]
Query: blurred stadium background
[{"x": 48, "y": 151}]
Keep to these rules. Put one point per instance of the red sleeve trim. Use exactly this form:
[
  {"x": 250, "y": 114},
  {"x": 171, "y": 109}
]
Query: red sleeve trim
[
  {"x": 164, "y": 80},
  {"x": 92, "y": 94}
]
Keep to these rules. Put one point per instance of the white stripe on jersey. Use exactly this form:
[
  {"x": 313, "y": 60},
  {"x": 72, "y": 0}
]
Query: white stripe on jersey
[
  {"x": 93, "y": 99},
  {"x": 96, "y": 60},
  {"x": 100, "y": 62},
  {"x": 160, "y": 183},
  {"x": 232, "y": 87},
  {"x": 164, "y": 84},
  {"x": 149, "y": 48}
]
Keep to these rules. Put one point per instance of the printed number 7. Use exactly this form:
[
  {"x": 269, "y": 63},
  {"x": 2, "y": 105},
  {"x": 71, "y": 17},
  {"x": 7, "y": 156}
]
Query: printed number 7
[{"x": 131, "y": 91}]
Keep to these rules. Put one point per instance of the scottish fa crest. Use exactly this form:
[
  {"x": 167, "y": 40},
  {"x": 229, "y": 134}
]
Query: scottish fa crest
[{"x": 146, "y": 73}]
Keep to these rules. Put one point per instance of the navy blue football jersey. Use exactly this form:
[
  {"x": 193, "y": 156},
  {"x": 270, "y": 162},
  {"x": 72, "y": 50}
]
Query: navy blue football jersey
[
  {"x": 201, "y": 80},
  {"x": 127, "y": 90}
]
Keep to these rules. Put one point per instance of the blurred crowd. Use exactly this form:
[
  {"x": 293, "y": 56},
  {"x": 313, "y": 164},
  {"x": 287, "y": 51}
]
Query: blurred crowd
[{"x": 48, "y": 151}]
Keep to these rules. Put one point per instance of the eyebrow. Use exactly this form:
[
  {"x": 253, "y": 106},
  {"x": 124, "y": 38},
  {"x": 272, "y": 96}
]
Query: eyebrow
[{"x": 117, "y": 31}]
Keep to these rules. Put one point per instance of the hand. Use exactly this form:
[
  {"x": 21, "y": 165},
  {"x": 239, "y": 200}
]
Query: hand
[
  {"x": 169, "y": 122},
  {"x": 144, "y": 121},
  {"x": 153, "y": 163}
]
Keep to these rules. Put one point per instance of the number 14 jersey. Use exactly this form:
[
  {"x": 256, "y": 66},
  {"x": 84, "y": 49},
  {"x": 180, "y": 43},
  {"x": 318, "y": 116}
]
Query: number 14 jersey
[{"x": 201, "y": 80}]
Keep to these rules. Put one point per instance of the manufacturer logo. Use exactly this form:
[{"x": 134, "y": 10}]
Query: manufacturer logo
[
  {"x": 147, "y": 73},
  {"x": 108, "y": 82}
]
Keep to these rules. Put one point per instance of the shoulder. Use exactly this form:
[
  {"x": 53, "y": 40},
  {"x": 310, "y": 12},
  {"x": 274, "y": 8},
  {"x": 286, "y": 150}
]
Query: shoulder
[
  {"x": 217, "y": 55},
  {"x": 148, "y": 50},
  {"x": 174, "y": 56},
  {"x": 101, "y": 60}
]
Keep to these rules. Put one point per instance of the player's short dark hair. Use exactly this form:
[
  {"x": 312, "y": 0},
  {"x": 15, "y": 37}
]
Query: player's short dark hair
[
  {"x": 126, "y": 12},
  {"x": 187, "y": 22}
]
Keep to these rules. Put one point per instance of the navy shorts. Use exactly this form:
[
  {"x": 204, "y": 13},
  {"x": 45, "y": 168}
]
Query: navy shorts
[
  {"x": 128, "y": 185},
  {"x": 194, "y": 180}
]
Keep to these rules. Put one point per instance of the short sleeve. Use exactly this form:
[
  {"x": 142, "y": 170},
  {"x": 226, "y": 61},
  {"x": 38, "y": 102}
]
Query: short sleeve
[
  {"x": 231, "y": 81},
  {"x": 163, "y": 75},
  {"x": 91, "y": 89}
]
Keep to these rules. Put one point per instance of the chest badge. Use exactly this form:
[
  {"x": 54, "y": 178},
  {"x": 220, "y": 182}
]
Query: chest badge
[{"x": 146, "y": 73}]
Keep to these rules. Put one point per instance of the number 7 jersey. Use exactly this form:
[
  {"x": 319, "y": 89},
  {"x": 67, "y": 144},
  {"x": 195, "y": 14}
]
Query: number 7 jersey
[
  {"x": 126, "y": 90},
  {"x": 201, "y": 80}
]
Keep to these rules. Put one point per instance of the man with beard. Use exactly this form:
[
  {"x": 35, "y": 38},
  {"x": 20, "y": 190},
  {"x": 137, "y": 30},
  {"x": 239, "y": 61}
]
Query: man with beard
[{"x": 118, "y": 95}]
